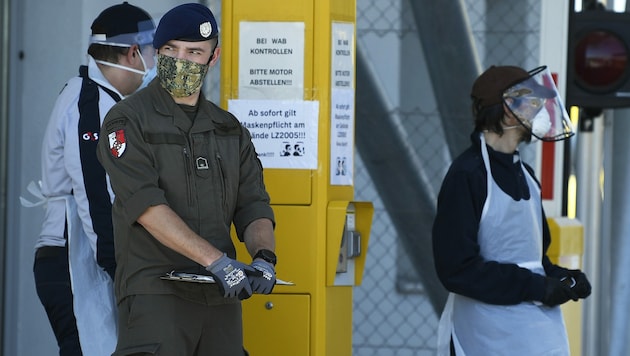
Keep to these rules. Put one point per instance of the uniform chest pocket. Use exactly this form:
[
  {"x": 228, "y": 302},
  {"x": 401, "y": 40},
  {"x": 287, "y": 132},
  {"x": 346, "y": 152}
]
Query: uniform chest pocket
[
  {"x": 171, "y": 157},
  {"x": 167, "y": 147}
]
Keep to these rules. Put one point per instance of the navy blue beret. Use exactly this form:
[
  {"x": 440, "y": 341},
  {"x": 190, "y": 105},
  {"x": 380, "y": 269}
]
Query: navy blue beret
[{"x": 186, "y": 22}]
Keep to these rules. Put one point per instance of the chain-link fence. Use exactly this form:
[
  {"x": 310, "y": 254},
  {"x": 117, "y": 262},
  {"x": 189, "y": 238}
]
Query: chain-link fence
[{"x": 392, "y": 314}]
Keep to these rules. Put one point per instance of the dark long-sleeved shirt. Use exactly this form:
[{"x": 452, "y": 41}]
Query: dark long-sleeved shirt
[{"x": 459, "y": 265}]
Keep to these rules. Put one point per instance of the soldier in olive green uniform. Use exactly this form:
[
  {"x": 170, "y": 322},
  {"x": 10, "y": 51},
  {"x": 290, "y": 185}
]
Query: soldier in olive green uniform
[{"x": 183, "y": 170}]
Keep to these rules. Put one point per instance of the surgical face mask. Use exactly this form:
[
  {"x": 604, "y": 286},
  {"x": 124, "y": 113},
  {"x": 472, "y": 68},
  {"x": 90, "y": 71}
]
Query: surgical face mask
[
  {"x": 149, "y": 75},
  {"x": 541, "y": 123},
  {"x": 180, "y": 77},
  {"x": 134, "y": 70}
]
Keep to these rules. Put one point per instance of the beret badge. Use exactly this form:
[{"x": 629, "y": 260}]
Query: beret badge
[{"x": 205, "y": 29}]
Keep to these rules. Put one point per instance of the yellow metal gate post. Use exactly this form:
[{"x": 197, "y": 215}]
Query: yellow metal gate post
[
  {"x": 566, "y": 250},
  {"x": 279, "y": 55}
]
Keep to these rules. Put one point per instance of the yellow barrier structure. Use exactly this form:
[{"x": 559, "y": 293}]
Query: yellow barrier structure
[
  {"x": 566, "y": 250},
  {"x": 288, "y": 73}
]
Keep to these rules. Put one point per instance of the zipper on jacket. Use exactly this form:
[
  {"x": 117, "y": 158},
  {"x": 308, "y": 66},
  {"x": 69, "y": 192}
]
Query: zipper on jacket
[
  {"x": 188, "y": 175},
  {"x": 223, "y": 185}
]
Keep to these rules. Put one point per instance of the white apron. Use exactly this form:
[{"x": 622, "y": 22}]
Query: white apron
[
  {"x": 509, "y": 232},
  {"x": 92, "y": 288}
]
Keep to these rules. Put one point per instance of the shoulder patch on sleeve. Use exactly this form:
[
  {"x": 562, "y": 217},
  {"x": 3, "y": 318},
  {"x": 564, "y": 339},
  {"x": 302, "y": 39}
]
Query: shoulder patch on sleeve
[
  {"x": 117, "y": 142},
  {"x": 115, "y": 130}
]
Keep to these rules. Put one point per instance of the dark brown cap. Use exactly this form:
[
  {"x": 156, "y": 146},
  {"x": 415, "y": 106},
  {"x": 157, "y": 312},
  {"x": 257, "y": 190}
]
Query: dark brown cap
[{"x": 488, "y": 88}]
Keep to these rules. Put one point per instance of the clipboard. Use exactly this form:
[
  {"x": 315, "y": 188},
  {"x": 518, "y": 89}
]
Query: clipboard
[{"x": 202, "y": 278}]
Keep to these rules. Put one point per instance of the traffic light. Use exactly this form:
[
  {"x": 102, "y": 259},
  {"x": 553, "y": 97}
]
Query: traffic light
[{"x": 598, "y": 73}]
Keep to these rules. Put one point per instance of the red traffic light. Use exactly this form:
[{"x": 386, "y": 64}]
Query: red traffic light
[
  {"x": 601, "y": 61},
  {"x": 598, "y": 73}
]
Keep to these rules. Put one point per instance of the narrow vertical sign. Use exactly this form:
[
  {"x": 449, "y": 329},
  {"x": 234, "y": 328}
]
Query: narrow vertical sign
[{"x": 342, "y": 104}]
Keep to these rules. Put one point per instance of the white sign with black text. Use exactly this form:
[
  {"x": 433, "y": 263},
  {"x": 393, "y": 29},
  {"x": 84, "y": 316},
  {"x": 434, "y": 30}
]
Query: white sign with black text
[
  {"x": 342, "y": 104},
  {"x": 271, "y": 60},
  {"x": 284, "y": 132}
]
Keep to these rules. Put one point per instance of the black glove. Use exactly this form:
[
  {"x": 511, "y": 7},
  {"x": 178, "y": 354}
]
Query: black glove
[
  {"x": 264, "y": 281},
  {"x": 582, "y": 286},
  {"x": 231, "y": 277},
  {"x": 557, "y": 292}
]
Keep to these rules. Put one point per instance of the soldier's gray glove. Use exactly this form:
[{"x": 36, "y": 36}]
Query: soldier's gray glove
[
  {"x": 231, "y": 277},
  {"x": 264, "y": 281}
]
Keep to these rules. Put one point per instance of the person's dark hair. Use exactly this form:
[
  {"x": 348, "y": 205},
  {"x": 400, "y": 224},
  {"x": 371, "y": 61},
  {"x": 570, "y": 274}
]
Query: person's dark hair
[
  {"x": 214, "y": 43},
  {"x": 489, "y": 118},
  {"x": 107, "y": 53}
]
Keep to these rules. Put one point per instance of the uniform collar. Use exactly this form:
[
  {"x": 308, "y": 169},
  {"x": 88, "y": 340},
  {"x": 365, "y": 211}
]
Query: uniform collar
[{"x": 165, "y": 105}]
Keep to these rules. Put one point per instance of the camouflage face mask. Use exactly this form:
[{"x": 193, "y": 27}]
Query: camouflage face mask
[{"x": 180, "y": 77}]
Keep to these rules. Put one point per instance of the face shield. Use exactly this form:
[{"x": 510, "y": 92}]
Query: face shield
[
  {"x": 143, "y": 38},
  {"x": 536, "y": 104}
]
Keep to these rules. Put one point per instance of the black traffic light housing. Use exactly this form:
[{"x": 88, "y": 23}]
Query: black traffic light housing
[{"x": 598, "y": 73}]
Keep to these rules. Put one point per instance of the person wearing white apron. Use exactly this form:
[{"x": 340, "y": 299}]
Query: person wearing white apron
[
  {"x": 490, "y": 234},
  {"x": 74, "y": 261}
]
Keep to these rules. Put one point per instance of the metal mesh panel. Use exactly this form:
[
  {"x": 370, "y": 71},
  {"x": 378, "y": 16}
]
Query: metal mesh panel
[{"x": 391, "y": 312}]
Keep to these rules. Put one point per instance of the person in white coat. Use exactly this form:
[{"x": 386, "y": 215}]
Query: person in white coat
[
  {"x": 74, "y": 255},
  {"x": 490, "y": 234}
]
